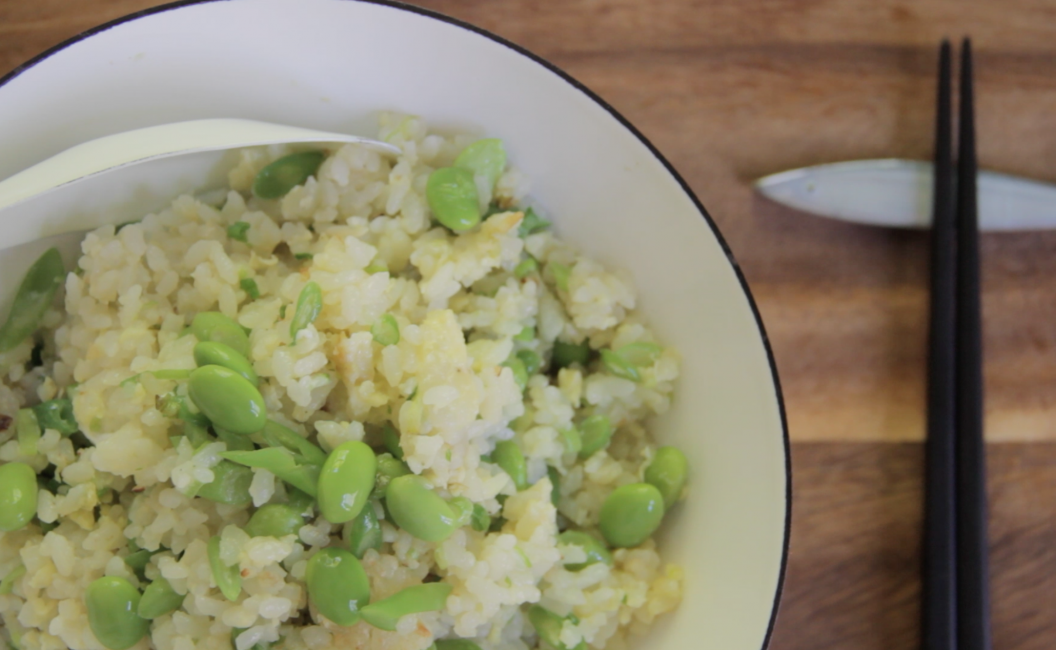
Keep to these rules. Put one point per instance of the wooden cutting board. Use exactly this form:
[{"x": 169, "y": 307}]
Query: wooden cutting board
[{"x": 732, "y": 90}]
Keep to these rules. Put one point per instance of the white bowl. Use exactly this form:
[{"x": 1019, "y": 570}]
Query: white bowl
[{"x": 332, "y": 64}]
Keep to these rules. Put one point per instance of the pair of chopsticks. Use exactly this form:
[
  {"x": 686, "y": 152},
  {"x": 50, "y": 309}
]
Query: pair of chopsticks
[{"x": 956, "y": 584}]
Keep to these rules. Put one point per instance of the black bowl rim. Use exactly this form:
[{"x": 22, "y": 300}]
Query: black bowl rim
[{"x": 626, "y": 124}]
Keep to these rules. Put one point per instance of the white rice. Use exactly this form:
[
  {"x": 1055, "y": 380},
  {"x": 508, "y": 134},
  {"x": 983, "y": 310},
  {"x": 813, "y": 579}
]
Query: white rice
[{"x": 443, "y": 387}]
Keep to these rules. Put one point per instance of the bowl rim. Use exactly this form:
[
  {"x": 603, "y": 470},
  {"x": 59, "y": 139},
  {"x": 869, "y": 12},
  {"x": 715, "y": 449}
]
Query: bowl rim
[{"x": 575, "y": 83}]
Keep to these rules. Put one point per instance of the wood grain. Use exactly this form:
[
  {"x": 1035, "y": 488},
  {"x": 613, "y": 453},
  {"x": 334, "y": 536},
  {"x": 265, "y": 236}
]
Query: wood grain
[{"x": 732, "y": 90}]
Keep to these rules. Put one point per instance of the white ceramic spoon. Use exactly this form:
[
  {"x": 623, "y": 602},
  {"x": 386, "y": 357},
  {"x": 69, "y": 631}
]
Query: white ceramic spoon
[{"x": 151, "y": 143}]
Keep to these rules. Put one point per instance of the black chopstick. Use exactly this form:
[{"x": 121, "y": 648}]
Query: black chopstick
[
  {"x": 955, "y": 599},
  {"x": 973, "y": 600}
]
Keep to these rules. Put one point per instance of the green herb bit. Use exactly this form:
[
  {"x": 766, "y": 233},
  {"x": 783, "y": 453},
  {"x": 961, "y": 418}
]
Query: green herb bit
[
  {"x": 640, "y": 354},
  {"x": 532, "y": 223},
  {"x": 532, "y": 361},
  {"x": 526, "y": 334},
  {"x": 286, "y": 173},
  {"x": 525, "y": 268},
  {"x": 616, "y": 365},
  {"x": 309, "y": 304},
  {"x": 34, "y": 296},
  {"x": 284, "y": 464},
  {"x": 390, "y": 438},
  {"x": 227, "y": 578},
  {"x": 567, "y": 354},
  {"x": 238, "y": 230},
  {"x": 57, "y": 414},
  {"x": 303, "y": 256},
  {"x": 385, "y": 330},
  {"x": 8, "y": 583},
  {"x": 561, "y": 274},
  {"x": 249, "y": 285},
  {"x": 28, "y": 432}
]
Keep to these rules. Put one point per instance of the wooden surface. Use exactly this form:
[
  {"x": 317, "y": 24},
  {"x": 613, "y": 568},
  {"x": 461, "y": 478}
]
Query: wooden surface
[{"x": 731, "y": 90}]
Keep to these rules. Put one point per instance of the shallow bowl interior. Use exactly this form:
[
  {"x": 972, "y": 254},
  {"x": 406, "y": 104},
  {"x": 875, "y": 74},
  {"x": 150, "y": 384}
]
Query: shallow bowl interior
[{"x": 333, "y": 64}]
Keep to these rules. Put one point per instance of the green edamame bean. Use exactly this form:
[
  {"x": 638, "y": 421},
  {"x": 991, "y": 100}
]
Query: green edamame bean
[
  {"x": 595, "y": 550},
  {"x": 274, "y": 520},
  {"x": 485, "y": 158},
  {"x": 112, "y": 603},
  {"x": 228, "y": 578},
  {"x": 34, "y": 296},
  {"x": 228, "y": 399},
  {"x": 669, "y": 472},
  {"x": 640, "y": 354},
  {"x": 346, "y": 481},
  {"x": 391, "y": 439},
  {"x": 27, "y": 431},
  {"x": 566, "y": 354},
  {"x": 618, "y": 366},
  {"x": 385, "y": 330},
  {"x": 385, "y": 614},
  {"x": 463, "y": 509},
  {"x": 548, "y": 626},
  {"x": 510, "y": 458},
  {"x": 520, "y": 372},
  {"x": 572, "y": 440},
  {"x": 230, "y": 484},
  {"x": 212, "y": 353},
  {"x": 277, "y": 435},
  {"x": 480, "y": 520},
  {"x": 530, "y": 359},
  {"x": 388, "y": 469},
  {"x": 597, "y": 433},
  {"x": 57, "y": 414},
  {"x": 159, "y": 598},
  {"x": 18, "y": 496},
  {"x": 283, "y": 463},
  {"x": 418, "y": 510},
  {"x": 302, "y": 502},
  {"x": 630, "y": 514},
  {"x": 456, "y": 644},
  {"x": 363, "y": 532},
  {"x": 337, "y": 585},
  {"x": 309, "y": 304},
  {"x": 525, "y": 268},
  {"x": 452, "y": 196},
  {"x": 214, "y": 326},
  {"x": 555, "y": 485},
  {"x": 279, "y": 177}
]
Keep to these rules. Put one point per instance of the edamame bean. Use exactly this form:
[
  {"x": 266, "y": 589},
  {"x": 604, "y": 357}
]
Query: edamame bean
[
  {"x": 33, "y": 298},
  {"x": 418, "y": 510},
  {"x": 228, "y": 399},
  {"x": 337, "y": 585},
  {"x": 230, "y": 484},
  {"x": 385, "y": 330},
  {"x": 630, "y": 514},
  {"x": 640, "y": 354},
  {"x": 480, "y": 520},
  {"x": 159, "y": 598},
  {"x": 618, "y": 366},
  {"x": 18, "y": 496},
  {"x": 385, "y": 614},
  {"x": 572, "y": 440},
  {"x": 283, "y": 463},
  {"x": 228, "y": 578},
  {"x": 346, "y": 481},
  {"x": 274, "y": 520},
  {"x": 309, "y": 304},
  {"x": 456, "y": 644},
  {"x": 278, "y": 435},
  {"x": 363, "y": 532},
  {"x": 597, "y": 433},
  {"x": 485, "y": 158},
  {"x": 510, "y": 458},
  {"x": 452, "y": 196},
  {"x": 112, "y": 603},
  {"x": 27, "y": 431},
  {"x": 525, "y": 268},
  {"x": 279, "y": 177},
  {"x": 219, "y": 354},
  {"x": 391, "y": 439},
  {"x": 565, "y": 354},
  {"x": 214, "y": 326},
  {"x": 531, "y": 360},
  {"x": 463, "y": 508},
  {"x": 548, "y": 626},
  {"x": 669, "y": 472},
  {"x": 57, "y": 414},
  {"x": 555, "y": 485},
  {"x": 302, "y": 502},
  {"x": 595, "y": 550}
]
